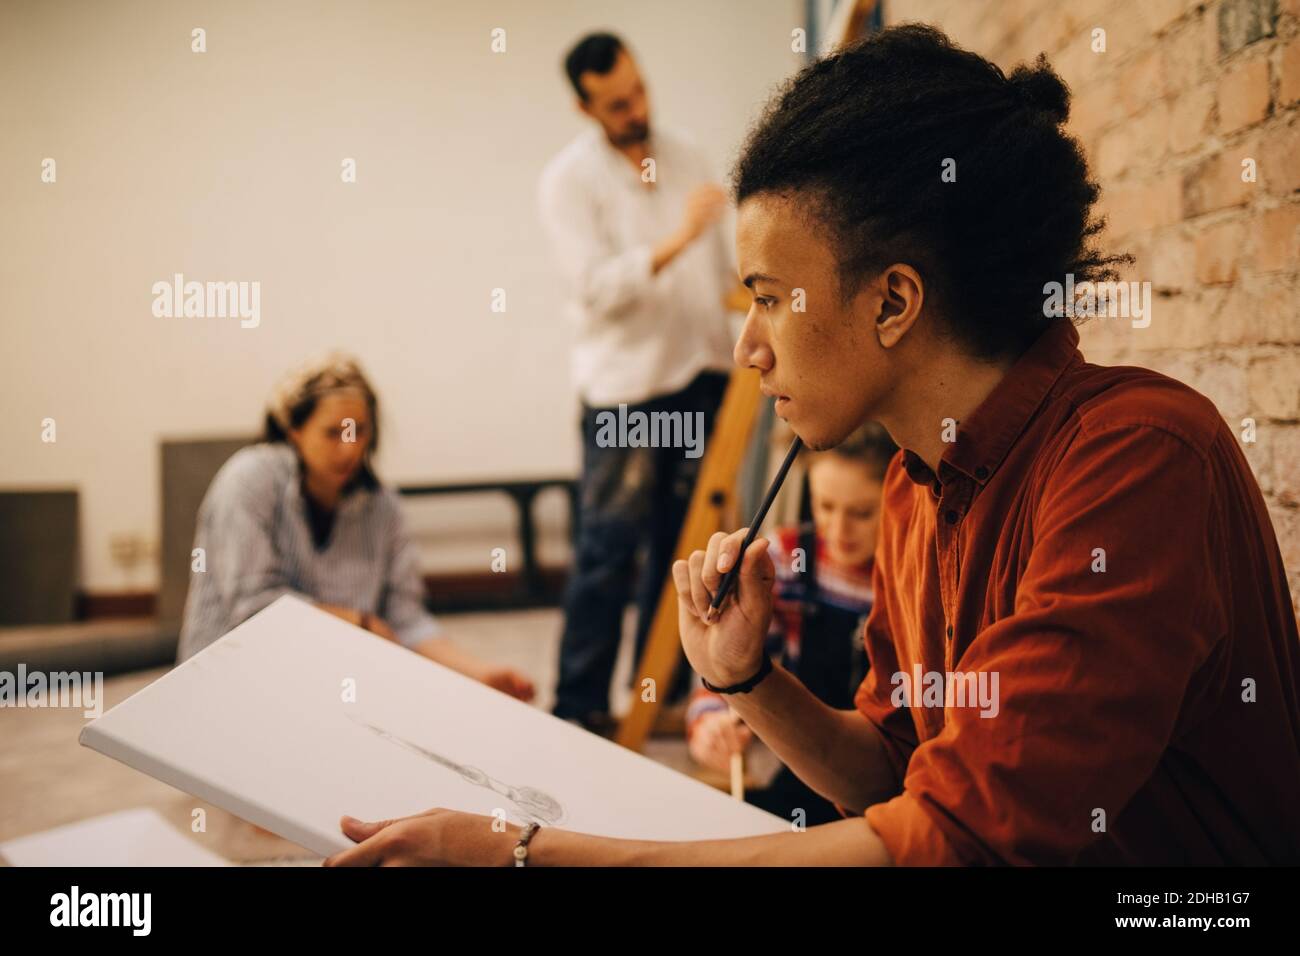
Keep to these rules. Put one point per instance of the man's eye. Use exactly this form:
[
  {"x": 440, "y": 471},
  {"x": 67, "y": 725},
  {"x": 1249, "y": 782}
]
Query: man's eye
[{"x": 764, "y": 302}]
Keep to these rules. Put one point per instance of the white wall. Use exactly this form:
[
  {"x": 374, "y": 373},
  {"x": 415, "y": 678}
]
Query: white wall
[{"x": 225, "y": 166}]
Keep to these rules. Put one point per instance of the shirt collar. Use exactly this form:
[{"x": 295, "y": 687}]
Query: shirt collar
[
  {"x": 354, "y": 497},
  {"x": 986, "y": 436}
]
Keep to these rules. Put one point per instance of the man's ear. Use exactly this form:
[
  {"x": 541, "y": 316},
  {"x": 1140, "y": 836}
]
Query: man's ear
[
  {"x": 583, "y": 108},
  {"x": 902, "y": 293}
]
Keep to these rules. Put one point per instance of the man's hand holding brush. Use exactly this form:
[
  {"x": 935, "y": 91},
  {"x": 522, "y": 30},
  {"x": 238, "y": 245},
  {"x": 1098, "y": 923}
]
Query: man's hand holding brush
[
  {"x": 730, "y": 649},
  {"x": 724, "y": 597}
]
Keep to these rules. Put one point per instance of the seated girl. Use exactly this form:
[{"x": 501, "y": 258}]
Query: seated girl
[
  {"x": 303, "y": 513},
  {"x": 823, "y": 596}
]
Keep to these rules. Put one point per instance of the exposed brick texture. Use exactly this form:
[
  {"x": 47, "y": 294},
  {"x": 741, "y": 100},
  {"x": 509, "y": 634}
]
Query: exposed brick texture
[{"x": 1189, "y": 98}]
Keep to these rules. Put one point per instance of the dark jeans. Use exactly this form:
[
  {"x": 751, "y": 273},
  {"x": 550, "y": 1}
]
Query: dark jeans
[{"x": 630, "y": 499}]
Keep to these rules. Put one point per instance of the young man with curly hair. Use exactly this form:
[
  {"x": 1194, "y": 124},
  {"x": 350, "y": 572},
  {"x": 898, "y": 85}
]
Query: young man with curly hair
[{"x": 1082, "y": 647}]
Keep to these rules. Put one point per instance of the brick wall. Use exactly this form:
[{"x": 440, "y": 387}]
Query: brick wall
[{"x": 1183, "y": 94}]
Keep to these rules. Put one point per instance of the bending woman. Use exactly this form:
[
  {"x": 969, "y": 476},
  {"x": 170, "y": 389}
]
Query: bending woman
[{"x": 303, "y": 513}]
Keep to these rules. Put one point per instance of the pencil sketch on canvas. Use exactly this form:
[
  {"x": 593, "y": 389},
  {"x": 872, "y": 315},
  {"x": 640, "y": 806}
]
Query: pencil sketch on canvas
[{"x": 532, "y": 804}]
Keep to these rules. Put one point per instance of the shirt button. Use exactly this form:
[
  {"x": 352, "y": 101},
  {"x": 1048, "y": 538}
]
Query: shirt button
[
  {"x": 981, "y": 472},
  {"x": 950, "y": 516}
]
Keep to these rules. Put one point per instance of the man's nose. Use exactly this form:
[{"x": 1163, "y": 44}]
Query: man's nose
[{"x": 751, "y": 351}]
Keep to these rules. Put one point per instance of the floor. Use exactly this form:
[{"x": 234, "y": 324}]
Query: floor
[{"x": 47, "y": 779}]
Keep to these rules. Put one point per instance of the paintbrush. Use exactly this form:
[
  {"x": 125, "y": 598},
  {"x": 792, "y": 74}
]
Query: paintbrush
[
  {"x": 737, "y": 767},
  {"x": 729, "y": 579}
]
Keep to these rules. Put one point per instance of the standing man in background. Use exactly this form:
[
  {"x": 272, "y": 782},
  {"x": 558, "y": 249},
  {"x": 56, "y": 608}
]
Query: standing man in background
[{"x": 632, "y": 217}]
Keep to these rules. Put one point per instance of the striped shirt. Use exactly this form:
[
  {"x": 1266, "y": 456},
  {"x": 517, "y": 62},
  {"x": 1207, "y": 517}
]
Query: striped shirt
[{"x": 256, "y": 541}]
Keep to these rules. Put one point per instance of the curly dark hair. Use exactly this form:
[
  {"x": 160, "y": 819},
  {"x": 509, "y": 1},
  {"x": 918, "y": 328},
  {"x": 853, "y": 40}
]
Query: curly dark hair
[{"x": 863, "y": 136}]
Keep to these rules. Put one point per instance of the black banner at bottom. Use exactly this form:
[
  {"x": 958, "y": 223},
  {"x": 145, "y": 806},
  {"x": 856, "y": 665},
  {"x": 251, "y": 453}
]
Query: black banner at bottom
[{"x": 332, "y": 906}]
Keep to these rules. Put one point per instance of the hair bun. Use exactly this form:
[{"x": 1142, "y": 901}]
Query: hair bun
[{"x": 1041, "y": 89}]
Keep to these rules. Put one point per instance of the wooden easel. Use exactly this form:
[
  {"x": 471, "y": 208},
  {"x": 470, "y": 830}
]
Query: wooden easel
[
  {"x": 715, "y": 489},
  {"x": 710, "y": 509}
]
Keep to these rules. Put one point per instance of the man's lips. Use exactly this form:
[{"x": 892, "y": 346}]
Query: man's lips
[{"x": 781, "y": 400}]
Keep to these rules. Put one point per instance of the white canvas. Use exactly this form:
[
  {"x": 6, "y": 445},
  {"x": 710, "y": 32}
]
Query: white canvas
[
  {"x": 257, "y": 723},
  {"x": 139, "y": 837}
]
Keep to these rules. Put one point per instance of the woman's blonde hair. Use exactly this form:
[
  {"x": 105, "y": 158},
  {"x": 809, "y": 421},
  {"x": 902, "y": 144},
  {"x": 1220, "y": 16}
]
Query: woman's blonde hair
[{"x": 294, "y": 398}]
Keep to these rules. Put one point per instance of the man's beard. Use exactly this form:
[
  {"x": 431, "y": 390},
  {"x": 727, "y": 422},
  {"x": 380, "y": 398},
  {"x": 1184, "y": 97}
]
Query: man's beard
[{"x": 634, "y": 135}]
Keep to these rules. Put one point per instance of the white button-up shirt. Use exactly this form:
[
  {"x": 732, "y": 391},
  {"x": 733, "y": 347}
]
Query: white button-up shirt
[{"x": 638, "y": 335}]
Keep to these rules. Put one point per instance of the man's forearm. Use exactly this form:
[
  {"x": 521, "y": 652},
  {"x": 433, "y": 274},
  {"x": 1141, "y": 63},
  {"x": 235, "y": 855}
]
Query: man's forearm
[
  {"x": 668, "y": 249},
  {"x": 849, "y": 842},
  {"x": 835, "y": 752}
]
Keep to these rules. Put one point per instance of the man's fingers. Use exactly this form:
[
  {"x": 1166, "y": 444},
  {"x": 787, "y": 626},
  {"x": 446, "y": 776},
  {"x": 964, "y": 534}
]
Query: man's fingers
[
  {"x": 698, "y": 578},
  {"x": 729, "y": 553},
  {"x": 710, "y": 568},
  {"x": 719, "y": 557},
  {"x": 363, "y": 854},
  {"x": 359, "y": 830},
  {"x": 753, "y": 563},
  {"x": 753, "y": 590},
  {"x": 368, "y": 852},
  {"x": 682, "y": 581},
  {"x": 729, "y": 550},
  {"x": 700, "y": 594}
]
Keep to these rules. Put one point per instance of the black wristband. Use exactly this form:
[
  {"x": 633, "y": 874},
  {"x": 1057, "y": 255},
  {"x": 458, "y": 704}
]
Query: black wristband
[{"x": 745, "y": 686}]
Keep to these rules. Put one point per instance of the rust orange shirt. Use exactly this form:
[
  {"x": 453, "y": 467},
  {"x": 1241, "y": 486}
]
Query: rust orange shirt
[{"x": 1096, "y": 550}]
